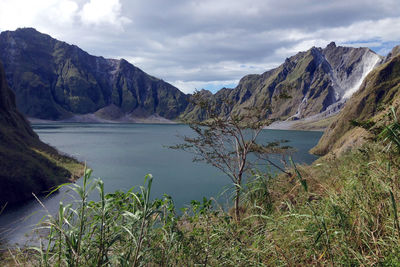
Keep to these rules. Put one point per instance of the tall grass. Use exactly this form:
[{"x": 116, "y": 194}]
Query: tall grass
[{"x": 119, "y": 229}]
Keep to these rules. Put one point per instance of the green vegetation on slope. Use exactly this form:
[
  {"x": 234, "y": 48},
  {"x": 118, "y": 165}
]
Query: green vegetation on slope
[{"x": 26, "y": 164}]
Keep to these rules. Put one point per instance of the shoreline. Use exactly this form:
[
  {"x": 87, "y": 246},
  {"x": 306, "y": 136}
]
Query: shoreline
[
  {"x": 92, "y": 118},
  {"x": 307, "y": 124},
  {"x": 316, "y": 123}
]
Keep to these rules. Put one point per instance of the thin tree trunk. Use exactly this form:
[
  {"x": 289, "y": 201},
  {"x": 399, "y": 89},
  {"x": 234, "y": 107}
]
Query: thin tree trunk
[{"x": 237, "y": 198}]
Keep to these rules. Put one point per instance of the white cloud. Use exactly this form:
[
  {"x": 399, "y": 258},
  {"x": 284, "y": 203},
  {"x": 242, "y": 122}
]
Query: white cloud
[
  {"x": 54, "y": 16},
  {"x": 43, "y": 13},
  {"x": 370, "y": 33},
  {"x": 99, "y": 12},
  {"x": 191, "y": 86},
  {"x": 63, "y": 12},
  {"x": 196, "y": 44},
  {"x": 237, "y": 8},
  {"x": 383, "y": 29}
]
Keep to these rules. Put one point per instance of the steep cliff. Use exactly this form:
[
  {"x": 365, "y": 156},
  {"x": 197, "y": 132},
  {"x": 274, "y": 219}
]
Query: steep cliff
[
  {"x": 306, "y": 84},
  {"x": 26, "y": 164},
  {"x": 379, "y": 91},
  {"x": 54, "y": 80}
]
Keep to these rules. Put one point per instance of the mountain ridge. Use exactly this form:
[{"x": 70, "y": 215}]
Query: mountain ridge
[
  {"x": 54, "y": 80},
  {"x": 305, "y": 85}
]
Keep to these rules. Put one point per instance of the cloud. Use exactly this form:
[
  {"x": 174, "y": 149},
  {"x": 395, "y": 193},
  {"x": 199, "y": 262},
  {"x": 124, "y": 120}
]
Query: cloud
[
  {"x": 365, "y": 33},
  {"x": 213, "y": 86},
  {"x": 205, "y": 41},
  {"x": 100, "y": 12},
  {"x": 56, "y": 16},
  {"x": 18, "y": 13},
  {"x": 196, "y": 44}
]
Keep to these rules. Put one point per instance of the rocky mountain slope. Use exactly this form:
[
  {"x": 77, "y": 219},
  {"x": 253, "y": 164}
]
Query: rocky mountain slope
[
  {"x": 379, "y": 91},
  {"x": 309, "y": 83},
  {"x": 54, "y": 80},
  {"x": 26, "y": 164}
]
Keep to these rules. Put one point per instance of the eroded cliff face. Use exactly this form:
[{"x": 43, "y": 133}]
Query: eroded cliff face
[
  {"x": 379, "y": 91},
  {"x": 54, "y": 80},
  {"x": 309, "y": 83},
  {"x": 23, "y": 169}
]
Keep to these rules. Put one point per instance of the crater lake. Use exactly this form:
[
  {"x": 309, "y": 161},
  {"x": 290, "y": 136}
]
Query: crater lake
[{"x": 122, "y": 154}]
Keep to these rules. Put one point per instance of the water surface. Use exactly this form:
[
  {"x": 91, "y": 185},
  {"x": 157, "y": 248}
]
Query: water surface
[{"x": 122, "y": 154}]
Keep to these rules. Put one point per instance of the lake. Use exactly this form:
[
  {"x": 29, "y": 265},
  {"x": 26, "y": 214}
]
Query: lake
[{"x": 122, "y": 154}]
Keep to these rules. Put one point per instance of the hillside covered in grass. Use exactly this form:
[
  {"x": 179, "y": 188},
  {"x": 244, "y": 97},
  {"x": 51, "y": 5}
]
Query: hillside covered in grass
[{"x": 27, "y": 165}]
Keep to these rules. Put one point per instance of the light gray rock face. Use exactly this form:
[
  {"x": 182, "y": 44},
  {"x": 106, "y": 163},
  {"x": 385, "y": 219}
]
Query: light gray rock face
[
  {"x": 349, "y": 67},
  {"x": 317, "y": 81},
  {"x": 372, "y": 102}
]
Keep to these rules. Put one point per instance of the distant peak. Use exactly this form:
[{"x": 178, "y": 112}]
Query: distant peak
[
  {"x": 204, "y": 92},
  {"x": 123, "y": 61},
  {"x": 331, "y": 45},
  {"x": 27, "y": 30},
  {"x": 395, "y": 52},
  {"x": 315, "y": 49}
]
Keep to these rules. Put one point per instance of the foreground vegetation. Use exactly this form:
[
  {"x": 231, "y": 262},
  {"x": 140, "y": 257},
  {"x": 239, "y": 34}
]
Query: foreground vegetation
[{"x": 338, "y": 211}]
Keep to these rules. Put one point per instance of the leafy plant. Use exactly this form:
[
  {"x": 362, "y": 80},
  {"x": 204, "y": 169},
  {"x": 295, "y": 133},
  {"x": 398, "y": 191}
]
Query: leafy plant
[{"x": 116, "y": 230}]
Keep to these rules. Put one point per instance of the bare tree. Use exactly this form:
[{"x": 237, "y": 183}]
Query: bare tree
[{"x": 226, "y": 142}]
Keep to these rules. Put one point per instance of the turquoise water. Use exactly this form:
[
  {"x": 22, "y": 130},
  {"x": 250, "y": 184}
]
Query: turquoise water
[{"x": 122, "y": 154}]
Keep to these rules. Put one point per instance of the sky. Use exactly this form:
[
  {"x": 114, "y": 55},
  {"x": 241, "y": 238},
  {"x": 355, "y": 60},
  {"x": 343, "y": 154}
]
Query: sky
[{"x": 195, "y": 44}]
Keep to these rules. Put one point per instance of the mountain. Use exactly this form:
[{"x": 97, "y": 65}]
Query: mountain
[
  {"x": 57, "y": 81},
  {"x": 306, "y": 84},
  {"x": 26, "y": 164},
  {"x": 379, "y": 91},
  {"x": 54, "y": 80}
]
